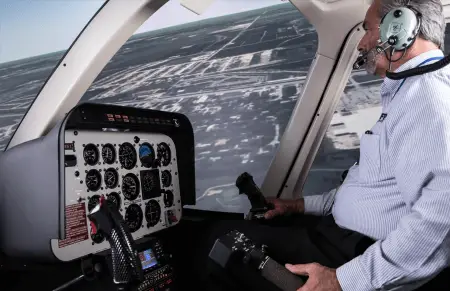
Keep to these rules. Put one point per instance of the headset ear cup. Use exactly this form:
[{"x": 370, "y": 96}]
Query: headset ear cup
[
  {"x": 419, "y": 24},
  {"x": 382, "y": 19},
  {"x": 418, "y": 18}
]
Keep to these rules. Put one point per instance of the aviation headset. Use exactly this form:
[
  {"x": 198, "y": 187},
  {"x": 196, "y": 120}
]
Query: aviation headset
[{"x": 399, "y": 28}]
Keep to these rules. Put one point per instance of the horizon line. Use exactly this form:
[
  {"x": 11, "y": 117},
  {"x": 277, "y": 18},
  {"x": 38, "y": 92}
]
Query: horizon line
[{"x": 135, "y": 34}]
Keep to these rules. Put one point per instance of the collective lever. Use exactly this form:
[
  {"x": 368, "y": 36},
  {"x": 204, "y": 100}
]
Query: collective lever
[{"x": 127, "y": 267}]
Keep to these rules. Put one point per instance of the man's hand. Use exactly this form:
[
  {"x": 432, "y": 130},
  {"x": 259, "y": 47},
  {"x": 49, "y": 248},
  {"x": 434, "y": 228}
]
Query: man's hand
[
  {"x": 320, "y": 278},
  {"x": 284, "y": 207}
]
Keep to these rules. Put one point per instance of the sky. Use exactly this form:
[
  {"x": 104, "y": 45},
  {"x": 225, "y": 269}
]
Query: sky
[{"x": 34, "y": 27}]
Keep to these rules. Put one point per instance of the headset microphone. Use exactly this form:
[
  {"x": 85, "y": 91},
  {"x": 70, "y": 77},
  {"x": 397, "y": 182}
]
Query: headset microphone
[{"x": 362, "y": 59}]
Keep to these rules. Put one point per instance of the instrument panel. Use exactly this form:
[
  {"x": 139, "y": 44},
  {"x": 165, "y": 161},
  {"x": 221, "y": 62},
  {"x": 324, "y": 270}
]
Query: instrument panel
[{"x": 136, "y": 171}]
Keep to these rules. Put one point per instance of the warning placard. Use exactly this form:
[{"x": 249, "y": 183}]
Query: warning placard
[{"x": 76, "y": 227}]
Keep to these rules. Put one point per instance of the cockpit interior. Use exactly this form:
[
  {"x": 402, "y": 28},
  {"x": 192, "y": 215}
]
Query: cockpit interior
[{"x": 102, "y": 196}]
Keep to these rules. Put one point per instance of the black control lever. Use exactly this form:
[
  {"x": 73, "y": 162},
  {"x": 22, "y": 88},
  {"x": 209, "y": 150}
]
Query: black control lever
[
  {"x": 235, "y": 248},
  {"x": 127, "y": 267},
  {"x": 247, "y": 186}
]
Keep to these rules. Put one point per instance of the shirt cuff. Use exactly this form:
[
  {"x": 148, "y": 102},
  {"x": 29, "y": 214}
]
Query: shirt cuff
[
  {"x": 314, "y": 205},
  {"x": 351, "y": 277}
]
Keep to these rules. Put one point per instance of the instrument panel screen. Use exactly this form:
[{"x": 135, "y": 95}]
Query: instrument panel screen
[{"x": 148, "y": 259}]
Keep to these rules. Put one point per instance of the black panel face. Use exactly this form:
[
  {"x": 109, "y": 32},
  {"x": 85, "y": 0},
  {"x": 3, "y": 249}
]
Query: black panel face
[
  {"x": 130, "y": 186},
  {"x": 114, "y": 197},
  {"x": 151, "y": 187},
  {"x": 97, "y": 238},
  {"x": 91, "y": 154},
  {"x": 127, "y": 156},
  {"x": 166, "y": 178},
  {"x": 93, "y": 180},
  {"x": 134, "y": 217},
  {"x": 111, "y": 178},
  {"x": 152, "y": 213},
  {"x": 164, "y": 154},
  {"x": 109, "y": 154},
  {"x": 168, "y": 198}
]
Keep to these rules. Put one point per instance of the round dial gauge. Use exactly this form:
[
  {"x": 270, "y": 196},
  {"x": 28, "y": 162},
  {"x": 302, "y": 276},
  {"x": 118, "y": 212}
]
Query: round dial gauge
[
  {"x": 115, "y": 198},
  {"x": 146, "y": 155},
  {"x": 127, "y": 156},
  {"x": 97, "y": 238},
  {"x": 168, "y": 198},
  {"x": 152, "y": 213},
  {"x": 91, "y": 154},
  {"x": 93, "y": 201},
  {"x": 166, "y": 178},
  {"x": 134, "y": 217},
  {"x": 109, "y": 153},
  {"x": 93, "y": 180},
  {"x": 130, "y": 186},
  {"x": 164, "y": 154},
  {"x": 111, "y": 178}
]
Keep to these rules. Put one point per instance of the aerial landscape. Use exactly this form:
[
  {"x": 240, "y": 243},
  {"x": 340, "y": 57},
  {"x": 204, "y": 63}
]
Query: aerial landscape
[{"x": 236, "y": 77}]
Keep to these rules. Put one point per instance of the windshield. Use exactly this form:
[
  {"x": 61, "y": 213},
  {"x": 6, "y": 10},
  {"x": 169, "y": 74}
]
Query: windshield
[
  {"x": 236, "y": 72},
  {"x": 34, "y": 36}
]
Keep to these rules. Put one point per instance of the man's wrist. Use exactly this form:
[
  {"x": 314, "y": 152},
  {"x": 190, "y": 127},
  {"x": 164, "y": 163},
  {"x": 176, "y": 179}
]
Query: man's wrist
[
  {"x": 300, "y": 205},
  {"x": 295, "y": 206},
  {"x": 351, "y": 276}
]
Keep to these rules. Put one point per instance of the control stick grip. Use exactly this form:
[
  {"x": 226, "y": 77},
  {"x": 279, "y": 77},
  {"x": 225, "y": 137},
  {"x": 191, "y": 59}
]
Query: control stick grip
[
  {"x": 127, "y": 267},
  {"x": 247, "y": 186}
]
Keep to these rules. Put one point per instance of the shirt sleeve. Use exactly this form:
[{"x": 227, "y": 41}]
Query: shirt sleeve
[
  {"x": 320, "y": 205},
  {"x": 418, "y": 249}
]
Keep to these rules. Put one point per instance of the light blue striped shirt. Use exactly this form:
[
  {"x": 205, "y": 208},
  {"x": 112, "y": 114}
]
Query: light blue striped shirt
[{"x": 399, "y": 194}]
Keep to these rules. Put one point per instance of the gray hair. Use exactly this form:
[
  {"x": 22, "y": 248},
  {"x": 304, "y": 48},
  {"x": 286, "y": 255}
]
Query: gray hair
[{"x": 433, "y": 21}]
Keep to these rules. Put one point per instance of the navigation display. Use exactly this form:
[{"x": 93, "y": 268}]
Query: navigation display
[{"x": 148, "y": 259}]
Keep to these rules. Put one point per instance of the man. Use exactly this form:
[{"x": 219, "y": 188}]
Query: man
[{"x": 398, "y": 195}]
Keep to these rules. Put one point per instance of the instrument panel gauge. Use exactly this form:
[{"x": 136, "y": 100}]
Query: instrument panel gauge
[
  {"x": 168, "y": 198},
  {"x": 93, "y": 180},
  {"x": 164, "y": 154},
  {"x": 166, "y": 178},
  {"x": 152, "y": 213},
  {"x": 93, "y": 201},
  {"x": 109, "y": 153},
  {"x": 134, "y": 217},
  {"x": 127, "y": 155},
  {"x": 148, "y": 183},
  {"x": 111, "y": 178},
  {"x": 130, "y": 186},
  {"x": 97, "y": 238},
  {"x": 91, "y": 154},
  {"x": 146, "y": 155},
  {"x": 151, "y": 185},
  {"x": 114, "y": 198}
]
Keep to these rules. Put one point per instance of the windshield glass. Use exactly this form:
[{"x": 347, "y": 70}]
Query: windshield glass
[
  {"x": 34, "y": 36},
  {"x": 236, "y": 72}
]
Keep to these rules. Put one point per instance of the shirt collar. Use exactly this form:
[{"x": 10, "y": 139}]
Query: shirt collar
[{"x": 389, "y": 86}]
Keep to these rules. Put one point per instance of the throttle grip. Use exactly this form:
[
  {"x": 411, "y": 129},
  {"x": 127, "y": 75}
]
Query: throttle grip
[{"x": 280, "y": 276}]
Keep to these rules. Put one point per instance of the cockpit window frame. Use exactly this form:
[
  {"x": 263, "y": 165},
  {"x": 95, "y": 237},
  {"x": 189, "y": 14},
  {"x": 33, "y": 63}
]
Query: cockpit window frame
[{"x": 55, "y": 68}]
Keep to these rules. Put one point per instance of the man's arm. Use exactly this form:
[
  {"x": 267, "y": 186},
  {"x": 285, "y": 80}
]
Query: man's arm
[
  {"x": 320, "y": 205},
  {"x": 418, "y": 249}
]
